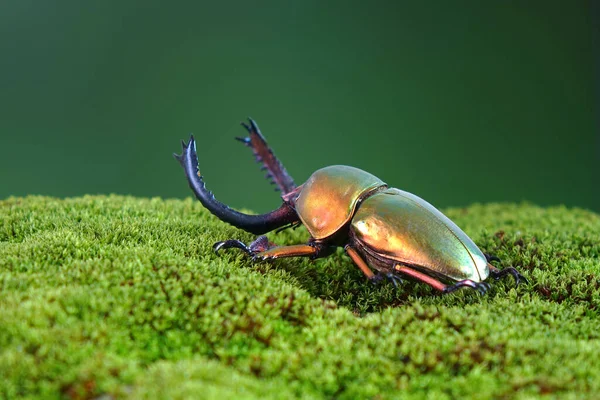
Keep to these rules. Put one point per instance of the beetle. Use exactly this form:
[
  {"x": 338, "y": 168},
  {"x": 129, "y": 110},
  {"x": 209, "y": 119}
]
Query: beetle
[{"x": 381, "y": 228}]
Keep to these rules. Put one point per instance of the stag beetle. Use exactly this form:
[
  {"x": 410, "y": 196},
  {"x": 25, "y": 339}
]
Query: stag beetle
[{"x": 392, "y": 231}]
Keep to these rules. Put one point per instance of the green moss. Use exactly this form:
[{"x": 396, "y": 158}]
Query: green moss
[{"x": 124, "y": 297}]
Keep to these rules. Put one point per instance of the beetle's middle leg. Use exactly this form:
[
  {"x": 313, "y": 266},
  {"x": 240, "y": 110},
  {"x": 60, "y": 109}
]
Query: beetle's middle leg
[
  {"x": 261, "y": 249},
  {"x": 364, "y": 267}
]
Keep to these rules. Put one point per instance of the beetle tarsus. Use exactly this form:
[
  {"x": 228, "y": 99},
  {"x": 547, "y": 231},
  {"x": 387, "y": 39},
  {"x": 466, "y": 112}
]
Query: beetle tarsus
[
  {"x": 497, "y": 274},
  {"x": 261, "y": 249},
  {"x": 231, "y": 244},
  {"x": 480, "y": 287},
  {"x": 257, "y": 246}
]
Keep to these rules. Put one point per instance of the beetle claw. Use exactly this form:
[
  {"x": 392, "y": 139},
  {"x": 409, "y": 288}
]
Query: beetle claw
[
  {"x": 232, "y": 243},
  {"x": 394, "y": 278},
  {"x": 258, "y": 246}
]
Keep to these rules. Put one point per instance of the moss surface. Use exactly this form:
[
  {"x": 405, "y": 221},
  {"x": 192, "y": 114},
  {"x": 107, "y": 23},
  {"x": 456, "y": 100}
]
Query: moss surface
[{"x": 123, "y": 297}]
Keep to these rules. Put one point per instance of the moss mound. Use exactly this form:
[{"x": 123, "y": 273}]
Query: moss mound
[{"x": 112, "y": 297}]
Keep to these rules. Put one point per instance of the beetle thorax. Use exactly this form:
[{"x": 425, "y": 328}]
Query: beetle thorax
[{"x": 328, "y": 199}]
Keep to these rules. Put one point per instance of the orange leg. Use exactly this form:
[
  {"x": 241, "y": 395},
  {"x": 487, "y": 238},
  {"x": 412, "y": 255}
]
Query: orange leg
[
  {"x": 360, "y": 263},
  {"x": 481, "y": 287},
  {"x": 364, "y": 267},
  {"x": 261, "y": 249},
  {"x": 297, "y": 250},
  {"x": 434, "y": 283}
]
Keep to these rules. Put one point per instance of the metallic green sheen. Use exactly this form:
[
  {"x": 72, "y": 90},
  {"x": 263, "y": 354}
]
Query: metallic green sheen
[
  {"x": 401, "y": 226},
  {"x": 327, "y": 200}
]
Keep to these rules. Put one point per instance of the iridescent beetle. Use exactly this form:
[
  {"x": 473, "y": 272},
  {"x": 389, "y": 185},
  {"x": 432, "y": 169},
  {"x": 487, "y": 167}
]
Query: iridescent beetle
[{"x": 387, "y": 229}]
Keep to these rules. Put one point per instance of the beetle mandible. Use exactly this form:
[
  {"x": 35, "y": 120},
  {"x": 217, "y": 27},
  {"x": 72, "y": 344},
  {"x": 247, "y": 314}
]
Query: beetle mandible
[{"x": 386, "y": 229}]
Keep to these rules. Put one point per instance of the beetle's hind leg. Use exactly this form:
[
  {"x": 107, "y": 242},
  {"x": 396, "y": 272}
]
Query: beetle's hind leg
[
  {"x": 480, "y": 287},
  {"x": 276, "y": 173},
  {"x": 261, "y": 249}
]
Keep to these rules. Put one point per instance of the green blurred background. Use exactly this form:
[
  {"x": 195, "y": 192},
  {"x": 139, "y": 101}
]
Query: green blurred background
[{"x": 457, "y": 102}]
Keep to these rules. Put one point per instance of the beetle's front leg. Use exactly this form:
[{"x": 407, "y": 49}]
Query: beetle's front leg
[
  {"x": 261, "y": 249},
  {"x": 260, "y": 244}
]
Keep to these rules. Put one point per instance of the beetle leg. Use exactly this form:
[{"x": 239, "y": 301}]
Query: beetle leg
[
  {"x": 394, "y": 278},
  {"x": 261, "y": 249},
  {"x": 499, "y": 273},
  {"x": 229, "y": 244},
  {"x": 297, "y": 250},
  {"x": 364, "y": 267},
  {"x": 481, "y": 287},
  {"x": 276, "y": 173},
  {"x": 360, "y": 263},
  {"x": 260, "y": 244}
]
